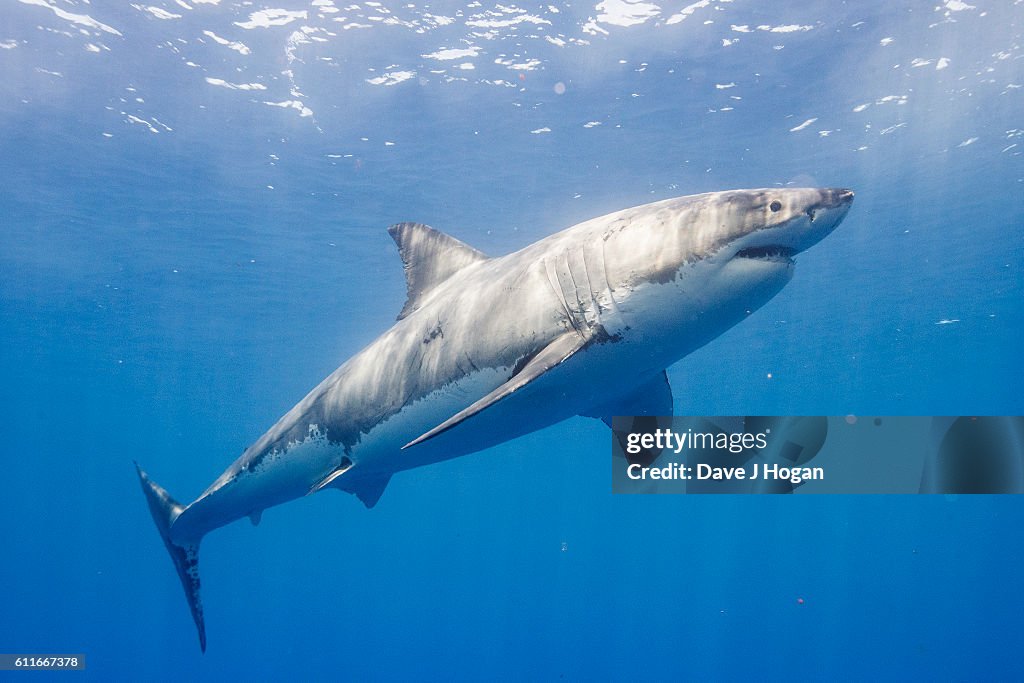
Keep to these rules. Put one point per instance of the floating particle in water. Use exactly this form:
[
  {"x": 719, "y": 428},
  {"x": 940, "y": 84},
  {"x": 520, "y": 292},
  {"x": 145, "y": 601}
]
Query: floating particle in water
[
  {"x": 851, "y": 419},
  {"x": 559, "y": 88},
  {"x": 565, "y": 546},
  {"x": 799, "y": 601},
  {"x": 878, "y": 422}
]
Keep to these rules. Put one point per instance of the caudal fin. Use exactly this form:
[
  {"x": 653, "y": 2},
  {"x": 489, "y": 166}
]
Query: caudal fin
[{"x": 186, "y": 557}]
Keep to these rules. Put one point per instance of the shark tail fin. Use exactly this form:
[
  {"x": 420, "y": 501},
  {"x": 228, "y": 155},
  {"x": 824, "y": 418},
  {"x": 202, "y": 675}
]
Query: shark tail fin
[{"x": 165, "y": 511}]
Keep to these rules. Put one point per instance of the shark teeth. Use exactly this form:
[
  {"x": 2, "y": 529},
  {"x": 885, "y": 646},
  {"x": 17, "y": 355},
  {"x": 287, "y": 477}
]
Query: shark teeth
[{"x": 771, "y": 252}]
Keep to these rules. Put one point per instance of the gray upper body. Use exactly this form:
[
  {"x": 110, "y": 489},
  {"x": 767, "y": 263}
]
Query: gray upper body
[{"x": 487, "y": 349}]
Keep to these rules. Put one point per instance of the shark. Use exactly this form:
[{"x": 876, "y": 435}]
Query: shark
[{"x": 486, "y": 349}]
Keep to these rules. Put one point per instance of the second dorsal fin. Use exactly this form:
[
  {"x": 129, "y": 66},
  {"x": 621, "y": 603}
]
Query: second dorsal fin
[{"x": 430, "y": 257}]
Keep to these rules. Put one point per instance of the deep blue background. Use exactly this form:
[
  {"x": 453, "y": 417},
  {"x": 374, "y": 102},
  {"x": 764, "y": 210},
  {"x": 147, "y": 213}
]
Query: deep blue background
[{"x": 160, "y": 302}]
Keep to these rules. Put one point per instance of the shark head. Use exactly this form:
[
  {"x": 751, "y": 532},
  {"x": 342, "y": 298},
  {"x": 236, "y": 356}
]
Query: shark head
[
  {"x": 775, "y": 225},
  {"x": 757, "y": 234},
  {"x": 690, "y": 268}
]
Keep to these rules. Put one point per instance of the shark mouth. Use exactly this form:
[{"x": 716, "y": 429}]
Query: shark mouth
[{"x": 771, "y": 252}]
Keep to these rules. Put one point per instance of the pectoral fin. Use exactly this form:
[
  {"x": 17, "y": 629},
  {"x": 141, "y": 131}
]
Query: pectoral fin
[
  {"x": 547, "y": 358},
  {"x": 652, "y": 398},
  {"x": 646, "y": 403}
]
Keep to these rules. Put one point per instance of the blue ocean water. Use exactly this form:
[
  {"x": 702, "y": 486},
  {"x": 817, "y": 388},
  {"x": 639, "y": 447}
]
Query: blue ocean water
[{"x": 195, "y": 196}]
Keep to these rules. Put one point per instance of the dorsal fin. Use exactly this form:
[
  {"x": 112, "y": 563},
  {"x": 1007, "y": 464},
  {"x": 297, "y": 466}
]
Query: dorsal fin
[{"x": 430, "y": 257}]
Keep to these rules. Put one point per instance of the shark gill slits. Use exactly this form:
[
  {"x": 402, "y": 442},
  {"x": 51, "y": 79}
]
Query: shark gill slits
[{"x": 775, "y": 206}]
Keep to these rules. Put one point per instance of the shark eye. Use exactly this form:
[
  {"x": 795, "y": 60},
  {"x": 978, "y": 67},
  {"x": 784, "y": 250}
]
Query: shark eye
[{"x": 775, "y": 206}]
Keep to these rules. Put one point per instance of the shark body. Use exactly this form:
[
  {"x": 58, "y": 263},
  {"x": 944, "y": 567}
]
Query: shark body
[{"x": 583, "y": 322}]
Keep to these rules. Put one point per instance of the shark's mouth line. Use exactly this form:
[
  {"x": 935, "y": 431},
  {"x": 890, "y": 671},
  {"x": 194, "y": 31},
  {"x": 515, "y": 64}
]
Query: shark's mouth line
[{"x": 771, "y": 252}]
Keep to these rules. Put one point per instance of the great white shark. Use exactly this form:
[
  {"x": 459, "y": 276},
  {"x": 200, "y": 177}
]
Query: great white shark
[{"x": 583, "y": 322}]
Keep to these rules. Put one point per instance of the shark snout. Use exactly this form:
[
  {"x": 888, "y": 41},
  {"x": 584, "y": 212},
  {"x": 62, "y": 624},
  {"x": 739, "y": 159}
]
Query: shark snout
[
  {"x": 838, "y": 196},
  {"x": 811, "y": 215},
  {"x": 825, "y": 215}
]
